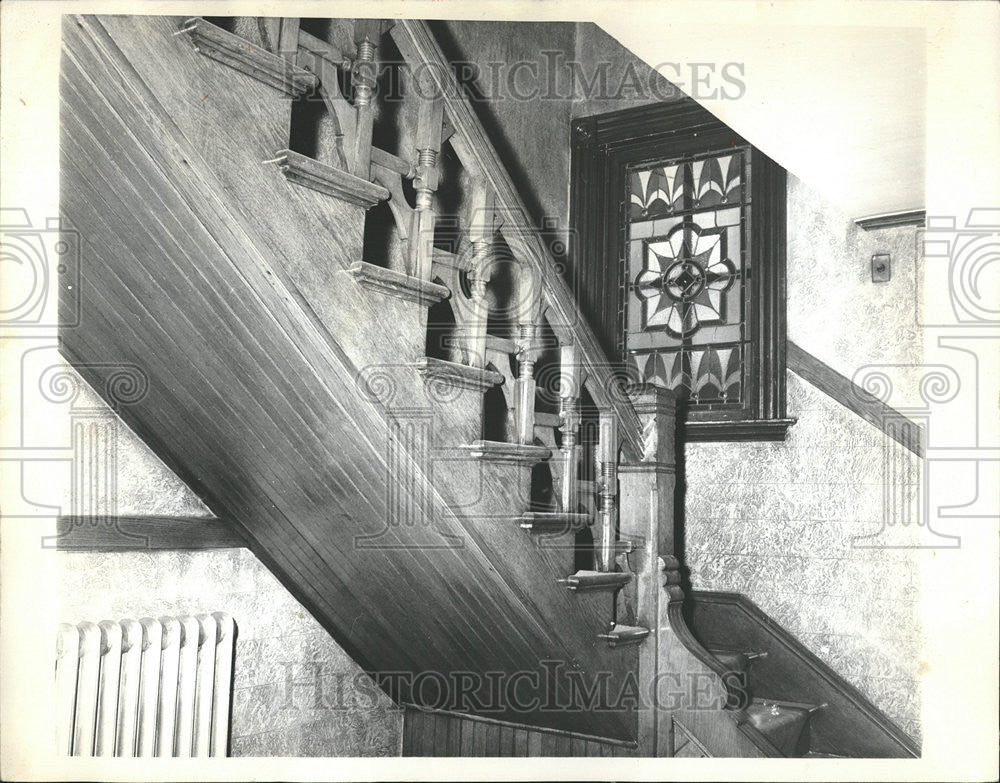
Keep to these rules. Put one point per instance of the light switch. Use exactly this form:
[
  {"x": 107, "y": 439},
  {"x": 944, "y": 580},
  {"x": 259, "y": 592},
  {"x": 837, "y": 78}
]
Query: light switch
[{"x": 881, "y": 268}]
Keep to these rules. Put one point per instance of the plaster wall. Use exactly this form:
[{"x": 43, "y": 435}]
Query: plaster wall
[
  {"x": 819, "y": 530},
  {"x": 295, "y": 691},
  {"x": 525, "y": 90},
  {"x": 803, "y": 529}
]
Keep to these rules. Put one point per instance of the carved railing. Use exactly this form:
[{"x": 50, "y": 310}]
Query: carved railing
[
  {"x": 477, "y": 153},
  {"x": 492, "y": 211},
  {"x": 496, "y": 205},
  {"x": 641, "y": 445},
  {"x": 626, "y": 453}
]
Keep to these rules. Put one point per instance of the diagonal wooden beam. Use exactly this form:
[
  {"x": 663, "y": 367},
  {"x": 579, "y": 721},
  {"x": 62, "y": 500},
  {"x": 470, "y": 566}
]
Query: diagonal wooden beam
[
  {"x": 132, "y": 533},
  {"x": 903, "y": 430}
]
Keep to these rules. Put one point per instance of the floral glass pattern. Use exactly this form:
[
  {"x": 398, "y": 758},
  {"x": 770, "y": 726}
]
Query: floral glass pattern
[{"x": 686, "y": 276}]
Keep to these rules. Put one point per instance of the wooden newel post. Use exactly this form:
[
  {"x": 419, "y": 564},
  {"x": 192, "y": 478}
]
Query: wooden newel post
[
  {"x": 570, "y": 377},
  {"x": 647, "y": 486},
  {"x": 607, "y": 479},
  {"x": 647, "y": 518}
]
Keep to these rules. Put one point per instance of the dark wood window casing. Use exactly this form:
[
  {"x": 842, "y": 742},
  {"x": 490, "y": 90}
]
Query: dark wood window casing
[{"x": 681, "y": 136}]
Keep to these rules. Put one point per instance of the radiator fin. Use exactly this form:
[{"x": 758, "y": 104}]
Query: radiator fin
[{"x": 142, "y": 688}]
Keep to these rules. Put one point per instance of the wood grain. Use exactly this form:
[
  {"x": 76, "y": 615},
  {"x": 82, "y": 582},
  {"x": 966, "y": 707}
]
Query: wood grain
[
  {"x": 123, "y": 533},
  {"x": 442, "y": 733},
  {"x": 850, "y": 725},
  {"x": 479, "y": 156},
  {"x": 220, "y": 279}
]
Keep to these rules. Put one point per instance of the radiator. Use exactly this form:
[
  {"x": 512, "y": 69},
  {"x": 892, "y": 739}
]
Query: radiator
[{"x": 145, "y": 687}]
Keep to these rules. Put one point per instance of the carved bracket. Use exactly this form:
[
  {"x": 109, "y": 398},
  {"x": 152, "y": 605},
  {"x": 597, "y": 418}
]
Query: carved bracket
[
  {"x": 513, "y": 453},
  {"x": 393, "y": 283},
  {"x": 443, "y": 375},
  {"x": 253, "y": 60},
  {"x": 331, "y": 181}
]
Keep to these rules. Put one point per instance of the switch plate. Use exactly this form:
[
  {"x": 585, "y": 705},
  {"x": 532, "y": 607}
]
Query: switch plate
[{"x": 881, "y": 268}]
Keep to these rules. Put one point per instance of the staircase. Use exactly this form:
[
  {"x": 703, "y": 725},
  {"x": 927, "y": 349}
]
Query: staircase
[
  {"x": 295, "y": 386},
  {"x": 777, "y": 673}
]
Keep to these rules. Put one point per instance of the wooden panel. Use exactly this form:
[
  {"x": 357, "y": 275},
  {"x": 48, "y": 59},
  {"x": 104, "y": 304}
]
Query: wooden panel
[
  {"x": 506, "y": 741},
  {"x": 849, "y": 725},
  {"x": 220, "y": 279},
  {"x": 467, "y": 728},
  {"x": 453, "y": 738},
  {"x": 438, "y": 733},
  {"x": 409, "y": 747},
  {"x": 903, "y": 430},
  {"x": 91, "y": 534}
]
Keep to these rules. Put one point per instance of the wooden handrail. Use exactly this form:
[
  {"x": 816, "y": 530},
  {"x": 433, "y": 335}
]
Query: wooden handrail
[
  {"x": 894, "y": 424},
  {"x": 418, "y": 46}
]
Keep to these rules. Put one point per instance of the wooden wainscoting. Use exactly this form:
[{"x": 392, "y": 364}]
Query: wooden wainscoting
[{"x": 442, "y": 733}]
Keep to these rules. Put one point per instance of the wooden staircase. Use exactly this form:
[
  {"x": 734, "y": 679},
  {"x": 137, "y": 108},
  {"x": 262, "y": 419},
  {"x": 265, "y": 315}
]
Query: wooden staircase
[
  {"x": 776, "y": 673},
  {"x": 291, "y": 387}
]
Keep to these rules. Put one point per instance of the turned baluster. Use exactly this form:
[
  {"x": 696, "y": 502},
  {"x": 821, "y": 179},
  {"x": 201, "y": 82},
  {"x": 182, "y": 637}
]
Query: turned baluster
[
  {"x": 474, "y": 329},
  {"x": 527, "y": 311},
  {"x": 364, "y": 79},
  {"x": 569, "y": 413},
  {"x": 479, "y": 219},
  {"x": 430, "y": 118},
  {"x": 524, "y": 386},
  {"x": 607, "y": 479}
]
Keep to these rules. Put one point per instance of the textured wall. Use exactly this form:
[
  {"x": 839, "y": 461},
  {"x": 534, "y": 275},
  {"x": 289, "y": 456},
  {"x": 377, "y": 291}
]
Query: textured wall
[
  {"x": 835, "y": 311},
  {"x": 282, "y": 654},
  {"x": 779, "y": 522},
  {"x": 802, "y": 527},
  {"x": 277, "y": 641},
  {"x": 797, "y": 527},
  {"x": 630, "y": 82},
  {"x": 145, "y": 486}
]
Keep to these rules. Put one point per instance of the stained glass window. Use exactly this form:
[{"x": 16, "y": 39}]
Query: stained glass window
[
  {"x": 687, "y": 222},
  {"x": 687, "y": 275}
]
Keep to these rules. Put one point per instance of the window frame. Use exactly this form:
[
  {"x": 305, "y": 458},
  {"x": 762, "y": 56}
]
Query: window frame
[{"x": 604, "y": 147}]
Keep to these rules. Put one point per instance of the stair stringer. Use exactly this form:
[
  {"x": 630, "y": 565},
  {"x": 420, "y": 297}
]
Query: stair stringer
[
  {"x": 381, "y": 336},
  {"x": 849, "y": 725},
  {"x": 690, "y": 686},
  {"x": 724, "y": 730},
  {"x": 186, "y": 427}
]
